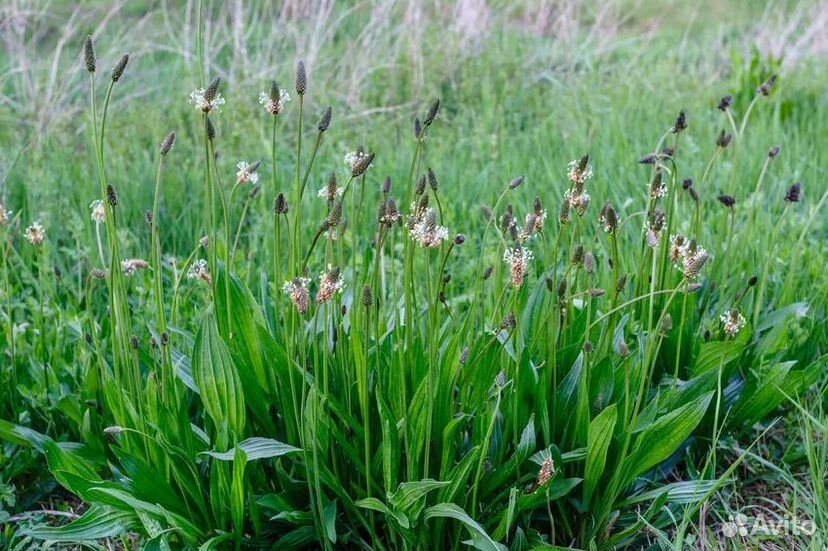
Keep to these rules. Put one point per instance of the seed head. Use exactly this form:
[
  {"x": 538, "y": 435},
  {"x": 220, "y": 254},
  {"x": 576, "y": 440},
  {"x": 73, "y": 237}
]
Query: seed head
[
  {"x": 794, "y": 193},
  {"x": 390, "y": 214},
  {"x": 774, "y": 151},
  {"x": 274, "y": 101},
  {"x": 727, "y": 200},
  {"x": 432, "y": 180},
  {"x": 111, "y": 195},
  {"x": 666, "y": 324},
  {"x": 325, "y": 120},
  {"x": 211, "y": 130},
  {"x": 680, "y": 124},
  {"x": 517, "y": 259},
  {"x": 331, "y": 282},
  {"x": 335, "y": 216},
  {"x": 767, "y": 86},
  {"x": 301, "y": 79},
  {"x": 547, "y": 471},
  {"x": 562, "y": 286},
  {"x": 367, "y": 296},
  {"x": 724, "y": 139},
  {"x": 89, "y": 54},
  {"x": 432, "y": 112},
  {"x": 131, "y": 266},
  {"x": 420, "y": 187},
  {"x": 487, "y": 213},
  {"x": 509, "y": 322},
  {"x": 516, "y": 182},
  {"x": 297, "y": 290},
  {"x": 725, "y": 103},
  {"x": 658, "y": 187},
  {"x": 362, "y": 164},
  {"x": 459, "y": 239},
  {"x": 487, "y": 273},
  {"x": 687, "y": 183},
  {"x": 564, "y": 216},
  {"x": 733, "y": 322},
  {"x": 752, "y": 281},
  {"x": 589, "y": 263},
  {"x": 621, "y": 284},
  {"x": 577, "y": 258},
  {"x": 280, "y": 205},
  {"x": 36, "y": 234},
  {"x": 211, "y": 92},
  {"x": 609, "y": 218},
  {"x": 201, "y": 271},
  {"x": 118, "y": 70},
  {"x": 386, "y": 185},
  {"x": 167, "y": 144},
  {"x": 418, "y": 128}
]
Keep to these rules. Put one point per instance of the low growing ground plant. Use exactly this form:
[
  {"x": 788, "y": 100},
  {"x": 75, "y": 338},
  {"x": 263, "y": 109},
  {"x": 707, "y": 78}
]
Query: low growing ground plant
[{"x": 359, "y": 374}]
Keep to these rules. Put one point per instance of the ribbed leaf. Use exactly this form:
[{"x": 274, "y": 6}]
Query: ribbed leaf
[
  {"x": 659, "y": 440},
  {"x": 598, "y": 441},
  {"x": 255, "y": 448},
  {"x": 480, "y": 539},
  {"x": 96, "y": 523},
  {"x": 216, "y": 377}
]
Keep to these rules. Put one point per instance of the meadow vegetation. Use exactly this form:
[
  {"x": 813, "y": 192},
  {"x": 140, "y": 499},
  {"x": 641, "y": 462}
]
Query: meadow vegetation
[{"x": 506, "y": 276}]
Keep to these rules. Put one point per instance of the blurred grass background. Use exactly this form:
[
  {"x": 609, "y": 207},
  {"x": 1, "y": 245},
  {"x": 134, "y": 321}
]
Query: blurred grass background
[{"x": 526, "y": 86}]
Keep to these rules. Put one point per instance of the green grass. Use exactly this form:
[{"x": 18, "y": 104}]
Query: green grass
[{"x": 426, "y": 418}]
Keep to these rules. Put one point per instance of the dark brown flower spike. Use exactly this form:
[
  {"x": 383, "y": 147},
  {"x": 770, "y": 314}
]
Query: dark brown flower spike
[
  {"x": 325, "y": 120},
  {"x": 727, "y": 200},
  {"x": 767, "y": 86},
  {"x": 725, "y": 103},
  {"x": 118, "y": 70},
  {"x": 794, "y": 193},
  {"x": 212, "y": 90},
  {"x": 362, "y": 165},
  {"x": 301, "y": 79},
  {"x": 681, "y": 123},
  {"x": 167, "y": 144},
  {"x": 432, "y": 112},
  {"x": 89, "y": 54},
  {"x": 724, "y": 139}
]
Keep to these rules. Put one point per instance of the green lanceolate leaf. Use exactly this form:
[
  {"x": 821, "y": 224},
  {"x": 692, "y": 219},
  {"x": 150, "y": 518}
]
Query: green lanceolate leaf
[
  {"x": 216, "y": 377},
  {"x": 97, "y": 523},
  {"x": 598, "y": 441},
  {"x": 658, "y": 440},
  {"x": 255, "y": 448},
  {"x": 480, "y": 539}
]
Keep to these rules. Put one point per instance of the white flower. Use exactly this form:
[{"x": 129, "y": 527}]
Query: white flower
[
  {"x": 687, "y": 256},
  {"x": 132, "y": 265},
  {"x": 5, "y": 215},
  {"x": 200, "y": 270},
  {"x": 247, "y": 173},
  {"x": 354, "y": 157},
  {"x": 274, "y": 107},
  {"x": 331, "y": 234},
  {"x": 578, "y": 200},
  {"x": 98, "y": 211},
  {"x": 35, "y": 234},
  {"x": 576, "y": 175},
  {"x": 330, "y": 194},
  {"x": 297, "y": 290},
  {"x": 202, "y": 104},
  {"x": 733, "y": 321},
  {"x": 425, "y": 230},
  {"x": 331, "y": 282},
  {"x": 653, "y": 235},
  {"x": 657, "y": 189},
  {"x": 518, "y": 260}
]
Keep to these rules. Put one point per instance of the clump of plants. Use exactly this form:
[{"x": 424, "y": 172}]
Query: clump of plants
[{"x": 359, "y": 395}]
